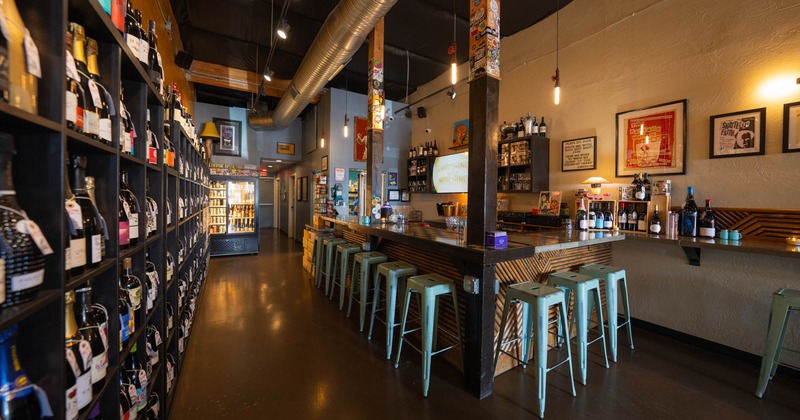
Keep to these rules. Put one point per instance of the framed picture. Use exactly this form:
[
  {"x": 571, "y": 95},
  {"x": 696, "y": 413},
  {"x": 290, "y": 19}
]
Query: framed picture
[
  {"x": 550, "y": 202},
  {"x": 791, "y": 127},
  {"x": 461, "y": 133},
  {"x": 392, "y": 179},
  {"x": 394, "y": 195},
  {"x": 338, "y": 174},
  {"x": 360, "y": 139},
  {"x": 302, "y": 188},
  {"x": 579, "y": 154},
  {"x": 285, "y": 148},
  {"x": 738, "y": 134},
  {"x": 230, "y": 137},
  {"x": 325, "y": 163},
  {"x": 323, "y": 180},
  {"x": 652, "y": 140},
  {"x": 405, "y": 196}
]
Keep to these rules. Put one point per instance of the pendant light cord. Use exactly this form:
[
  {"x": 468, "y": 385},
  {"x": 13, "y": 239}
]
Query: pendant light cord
[{"x": 558, "y": 9}]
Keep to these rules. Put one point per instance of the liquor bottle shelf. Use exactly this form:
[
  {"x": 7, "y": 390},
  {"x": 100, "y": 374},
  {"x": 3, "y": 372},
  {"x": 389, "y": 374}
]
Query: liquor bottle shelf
[
  {"x": 13, "y": 117},
  {"x": 82, "y": 143},
  {"x": 15, "y": 314},
  {"x": 152, "y": 167},
  {"x": 153, "y": 238},
  {"x": 131, "y": 158},
  {"x": 111, "y": 372},
  {"x": 91, "y": 273},
  {"x": 131, "y": 251}
]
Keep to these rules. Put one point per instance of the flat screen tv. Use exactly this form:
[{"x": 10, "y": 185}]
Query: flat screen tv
[{"x": 450, "y": 173}]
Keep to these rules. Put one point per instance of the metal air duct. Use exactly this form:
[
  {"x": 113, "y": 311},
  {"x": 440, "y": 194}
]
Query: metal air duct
[{"x": 341, "y": 35}]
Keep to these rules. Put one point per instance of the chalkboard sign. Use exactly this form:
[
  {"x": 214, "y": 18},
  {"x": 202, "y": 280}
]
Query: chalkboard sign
[{"x": 579, "y": 154}]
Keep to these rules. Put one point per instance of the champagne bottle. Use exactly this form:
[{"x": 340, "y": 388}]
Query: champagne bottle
[
  {"x": 133, "y": 208},
  {"x": 91, "y": 220},
  {"x": 100, "y": 97},
  {"x": 655, "y": 222},
  {"x": 91, "y": 332},
  {"x": 18, "y": 398},
  {"x": 708, "y": 223},
  {"x": 582, "y": 218},
  {"x": 91, "y": 117},
  {"x": 81, "y": 352},
  {"x": 74, "y": 98},
  {"x": 689, "y": 215},
  {"x": 23, "y": 86},
  {"x": 543, "y": 128},
  {"x": 23, "y": 259},
  {"x": 622, "y": 217}
]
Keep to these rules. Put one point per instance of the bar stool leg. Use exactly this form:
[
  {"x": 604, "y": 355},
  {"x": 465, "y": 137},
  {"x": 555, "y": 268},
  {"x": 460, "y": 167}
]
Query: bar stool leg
[
  {"x": 320, "y": 262},
  {"x": 391, "y": 308},
  {"x": 406, "y": 301},
  {"x": 428, "y": 321},
  {"x": 579, "y": 318},
  {"x": 611, "y": 299},
  {"x": 376, "y": 285},
  {"x": 562, "y": 314},
  {"x": 365, "y": 296},
  {"x": 601, "y": 327},
  {"x": 527, "y": 330},
  {"x": 458, "y": 324},
  {"x": 777, "y": 323},
  {"x": 328, "y": 264},
  {"x": 565, "y": 333},
  {"x": 355, "y": 279},
  {"x": 541, "y": 335},
  {"x": 337, "y": 262},
  {"x": 627, "y": 307},
  {"x": 502, "y": 331},
  {"x": 343, "y": 283}
]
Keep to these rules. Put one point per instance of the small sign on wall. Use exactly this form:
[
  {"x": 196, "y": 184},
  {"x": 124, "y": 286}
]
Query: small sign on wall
[
  {"x": 579, "y": 154},
  {"x": 338, "y": 174}
]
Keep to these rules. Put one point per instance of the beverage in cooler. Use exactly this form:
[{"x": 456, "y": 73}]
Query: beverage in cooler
[{"x": 233, "y": 216}]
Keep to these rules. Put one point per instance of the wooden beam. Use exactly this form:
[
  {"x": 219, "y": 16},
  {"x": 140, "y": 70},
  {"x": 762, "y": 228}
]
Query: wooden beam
[{"x": 375, "y": 100}]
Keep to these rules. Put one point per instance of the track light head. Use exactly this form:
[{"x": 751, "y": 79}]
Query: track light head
[{"x": 283, "y": 29}]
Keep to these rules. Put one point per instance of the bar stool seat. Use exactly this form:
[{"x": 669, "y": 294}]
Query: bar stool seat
[
  {"x": 330, "y": 245},
  {"x": 429, "y": 287},
  {"x": 536, "y": 300},
  {"x": 784, "y": 302},
  {"x": 582, "y": 286},
  {"x": 367, "y": 263},
  {"x": 316, "y": 256},
  {"x": 395, "y": 272},
  {"x": 616, "y": 286},
  {"x": 343, "y": 253}
]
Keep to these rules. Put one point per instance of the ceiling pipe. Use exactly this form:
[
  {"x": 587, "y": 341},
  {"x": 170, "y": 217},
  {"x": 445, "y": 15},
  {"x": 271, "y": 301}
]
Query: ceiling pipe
[{"x": 343, "y": 32}]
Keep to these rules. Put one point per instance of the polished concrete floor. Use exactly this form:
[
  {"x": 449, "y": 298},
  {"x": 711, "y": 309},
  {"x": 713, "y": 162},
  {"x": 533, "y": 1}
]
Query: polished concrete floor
[{"x": 267, "y": 345}]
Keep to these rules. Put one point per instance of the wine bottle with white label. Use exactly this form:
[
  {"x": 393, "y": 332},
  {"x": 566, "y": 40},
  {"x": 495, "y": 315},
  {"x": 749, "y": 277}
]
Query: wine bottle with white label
[
  {"x": 75, "y": 252},
  {"x": 91, "y": 116},
  {"x": 23, "y": 261},
  {"x": 655, "y": 222},
  {"x": 22, "y": 54},
  {"x": 132, "y": 37},
  {"x": 91, "y": 332},
  {"x": 582, "y": 218},
  {"x": 90, "y": 222},
  {"x": 643, "y": 219},
  {"x": 133, "y": 208},
  {"x": 80, "y": 360},
  {"x": 708, "y": 223},
  {"x": 98, "y": 95},
  {"x": 74, "y": 98}
]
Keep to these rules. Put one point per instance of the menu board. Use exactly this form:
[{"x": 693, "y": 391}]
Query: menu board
[{"x": 450, "y": 173}]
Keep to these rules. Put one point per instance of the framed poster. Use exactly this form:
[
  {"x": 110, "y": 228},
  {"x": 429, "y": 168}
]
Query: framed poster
[
  {"x": 394, "y": 195},
  {"x": 550, "y": 202},
  {"x": 738, "y": 134},
  {"x": 652, "y": 140},
  {"x": 579, "y": 154},
  {"x": 405, "y": 196},
  {"x": 230, "y": 137},
  {"x": 791, "y": 127},
  {"x": 392, "y": 179},
  {"x": 338, "y": 174},
  {"x": 285, "y": 148},
  {"x": 360, "y": 139},
  {"x": 461, "y": 133},
  {"x": 324, "y": 163}
]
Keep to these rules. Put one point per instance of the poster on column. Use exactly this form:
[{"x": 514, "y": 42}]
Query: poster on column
[
  {"x": 484, "y": 38},
  {"x": 360, "y": 139}
]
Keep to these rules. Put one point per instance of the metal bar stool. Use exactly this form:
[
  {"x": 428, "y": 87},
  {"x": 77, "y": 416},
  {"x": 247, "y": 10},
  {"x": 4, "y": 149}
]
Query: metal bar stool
[
  {"x": 343, "y": 254},
  {"x": 616, "y": 285},
  {"x": 429, "y": 287},
  {"x": 367, "y": 263},
  {"x": 316, "y": 256},
  {"x": 784, "y": 302},
  {"x": 327, "y": 263},
  {"x": 582, "y": 285},
  {"x": 536, "y": 300},
  {"x": 395, "y": 272}
]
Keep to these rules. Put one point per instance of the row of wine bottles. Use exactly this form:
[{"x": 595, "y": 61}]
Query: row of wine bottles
[
  {"x": 425, "y": 149},
  {"x": 693, "y": 223}
]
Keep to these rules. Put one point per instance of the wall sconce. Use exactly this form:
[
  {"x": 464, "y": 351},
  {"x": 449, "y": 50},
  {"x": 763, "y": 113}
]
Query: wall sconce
[{"x": 595, "y": 183}]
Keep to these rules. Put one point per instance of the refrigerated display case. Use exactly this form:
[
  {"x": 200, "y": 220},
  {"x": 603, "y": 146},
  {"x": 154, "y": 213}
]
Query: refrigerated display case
[{"x": 233, "y": 216}]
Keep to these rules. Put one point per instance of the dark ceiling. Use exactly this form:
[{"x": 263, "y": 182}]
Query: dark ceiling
[{"x": 236, "y": 33}]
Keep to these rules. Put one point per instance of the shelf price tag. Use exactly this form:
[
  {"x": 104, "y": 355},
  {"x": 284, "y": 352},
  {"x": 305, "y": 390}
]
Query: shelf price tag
[
  {"x": 95, "y": 94},
  {"x": 32, "y": 56},
  {"x": 30, "y": 227},
  {"x": 72, "y": 71}
]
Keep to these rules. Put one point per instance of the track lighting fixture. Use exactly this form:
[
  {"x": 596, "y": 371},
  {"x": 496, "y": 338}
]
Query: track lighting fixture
[
  {"x": 268, "y": 75},
  {"x": 283, "y": 29},
  {"x": 451, "y": 93}
]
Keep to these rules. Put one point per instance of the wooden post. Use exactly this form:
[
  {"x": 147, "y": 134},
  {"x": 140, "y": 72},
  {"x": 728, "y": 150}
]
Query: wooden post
[
  {"x": 484, "y": 94},
  {"x": 375, "y": 103}
]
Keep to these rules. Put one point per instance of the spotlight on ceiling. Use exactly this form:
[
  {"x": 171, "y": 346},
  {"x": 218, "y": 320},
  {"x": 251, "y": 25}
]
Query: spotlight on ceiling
[
  {"x": 268, "y": 75},
  {"x": 451, "y": 93},
  {"x": 283, "y": 29}
]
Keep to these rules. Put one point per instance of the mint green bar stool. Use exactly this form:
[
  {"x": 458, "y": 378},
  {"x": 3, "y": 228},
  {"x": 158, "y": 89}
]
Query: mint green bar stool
[
  {"x": 394, "y": 272},
  {"x": 582, "y": 285},
  {"x": 616, "y": 286},
  {"x": 367, "y": 263},
  {"x": 316, "y": 257},
  {"x": 340, "y": 266},
  {"x": 330, "y": 245},
  {"x": 536, "y": 300},
  {"x": 784, "y": 302},
  {"x": 429, "y": 287}
]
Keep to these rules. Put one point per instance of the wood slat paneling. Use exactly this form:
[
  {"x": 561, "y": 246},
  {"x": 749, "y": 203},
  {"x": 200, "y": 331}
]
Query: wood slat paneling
[{"x": 767, "y": 223}]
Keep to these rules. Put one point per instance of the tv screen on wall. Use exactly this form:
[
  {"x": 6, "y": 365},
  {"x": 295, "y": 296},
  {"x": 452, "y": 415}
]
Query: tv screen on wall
[{"x": 450, "y": 173}]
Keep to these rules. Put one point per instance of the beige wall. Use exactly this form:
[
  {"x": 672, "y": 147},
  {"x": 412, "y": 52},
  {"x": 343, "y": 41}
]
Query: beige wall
[{"x": 622, "y": 55}]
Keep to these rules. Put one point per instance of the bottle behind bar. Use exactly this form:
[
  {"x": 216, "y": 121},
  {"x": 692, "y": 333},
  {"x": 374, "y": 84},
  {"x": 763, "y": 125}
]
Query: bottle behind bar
[
  {"x": 80, "y": 361},
  {"x": 708, "y": 223},
  {"x": 622, "y": 217},
  {"x": 655, "y": 222},
  {"x": 18, "y": 399},
  {"x": 133, "y": 208},
  {"x": 91, "y": 118},
  {"x": 90, "y": 220},
  {"x": 543, "y": 128},
  {"x": 633, "y": 218},
  {"x": 98, "y": 94},
  {"x": 91, "y": 332},
  {"x": 435, "y": 148},
  {"x": 647, "y": 187},
  {"x": 689, "y": 215},
  {"x": 643, "y": 220},
  {"x": 582, "y": 218},
  {"x": 608, "y": 219}
]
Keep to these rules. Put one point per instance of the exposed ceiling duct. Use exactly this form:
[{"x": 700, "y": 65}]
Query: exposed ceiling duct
[{"x": 340, "y": 37}]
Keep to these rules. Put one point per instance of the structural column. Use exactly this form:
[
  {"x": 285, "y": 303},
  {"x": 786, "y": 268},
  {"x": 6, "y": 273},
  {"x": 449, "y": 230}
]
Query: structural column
[
  {"x": 375, "y": 113},
  {"x": 484, "y": 93}
]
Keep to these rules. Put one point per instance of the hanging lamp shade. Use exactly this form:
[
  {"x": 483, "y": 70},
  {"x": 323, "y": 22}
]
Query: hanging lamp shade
[{"x": 209, "y": 131}]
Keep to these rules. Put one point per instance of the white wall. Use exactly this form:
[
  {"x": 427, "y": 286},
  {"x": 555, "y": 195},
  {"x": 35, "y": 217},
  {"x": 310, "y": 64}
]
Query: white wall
[{"x": 621, "y": 55}]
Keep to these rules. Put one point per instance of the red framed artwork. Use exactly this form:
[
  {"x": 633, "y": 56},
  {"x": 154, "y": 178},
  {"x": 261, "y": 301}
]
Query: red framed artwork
[
  {"x": 652, "y": 140},
  {"x": 360, "y": 139}
]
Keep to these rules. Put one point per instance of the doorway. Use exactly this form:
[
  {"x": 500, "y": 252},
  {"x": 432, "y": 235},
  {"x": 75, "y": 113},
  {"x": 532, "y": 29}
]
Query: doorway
[
  {"x": 292, "y": 206},
  {"x": 266, "y": 205}
]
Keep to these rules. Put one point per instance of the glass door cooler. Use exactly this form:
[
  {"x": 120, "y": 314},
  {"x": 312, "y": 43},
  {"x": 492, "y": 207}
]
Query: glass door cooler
[{"x": 234, "y": 220}]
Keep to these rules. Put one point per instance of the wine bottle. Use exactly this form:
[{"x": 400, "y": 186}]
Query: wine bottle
[
  {"x": 144, "y": 42},
  {"x": 599, "y": 219},
  {"x": 633, "y": 219},
  {"x": 91, "y": 117},
  {"x": 689, "y": 215},
  {"x": 137, "y": 377},
  {"x": 74, "y": 98},
  {"x": 647, "y": 187},
  {"x": 133, "y": 208},
  {"x": 152, "y": 220},
  {"x": 608, "y": 219},
  {"x": 152, "y": 142},
  {"x": 592, "y": 219},
  {"x": 90, "y": 189},
  {"x": 435, "y": 148},
  {"x": 622, "y": 217},
  {"x": 100, "y": 97},
  {"x": 125, "y": 390},
  {"x": 132, "y": 37},
  {"x": 118, "y": 14},
  {"x": 75, "y": 254},
  {"x": 127, "y": 318},
  {"x": 638, "y": 192},
  {"x": 155, "y": 68},
  {"x": 71, "y": 374},
  {"x": 153, "y": 407},
  {"x": 81, "y": 350},
  {"x": 153, "y": 345},
  {"x": 124, "y": 224},
  {"x": 543, "y": 128},
  {"x": 127, "y": 133},
  {"x": 521, "y": 128},
  {"x": 23, "y": 259},
  {"x": 643, "y": 220},
  {"x": 89, "y": 214},
  {"x": 655, "y": 222},
  {"x": 535, "y": 127},
  {"x": 708, "y": 223},
  {"x": 152, "y": 281},
  {"x": 582, "y": 218},
  {"x": 23, "y": 85},
  {"x": 18, "y": 399},
  {"x": 91, "y": 332},
  {"x": 170, "y": 267},
  {"x": 132, "y": 284}
]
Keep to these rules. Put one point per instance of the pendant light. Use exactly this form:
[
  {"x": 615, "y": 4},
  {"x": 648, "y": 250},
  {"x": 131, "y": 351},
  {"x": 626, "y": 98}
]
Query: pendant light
[
  {"x": 557, "y": 77},
  {"x": 452, "y": 52},
  {"x": 346, "y": 129}
]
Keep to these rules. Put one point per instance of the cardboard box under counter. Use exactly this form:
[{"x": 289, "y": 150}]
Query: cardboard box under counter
[{"x": 497, "y": 239}]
